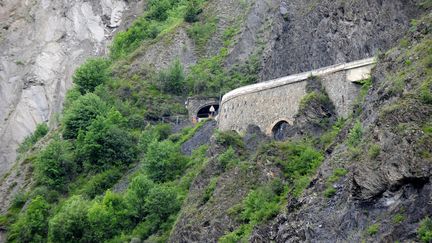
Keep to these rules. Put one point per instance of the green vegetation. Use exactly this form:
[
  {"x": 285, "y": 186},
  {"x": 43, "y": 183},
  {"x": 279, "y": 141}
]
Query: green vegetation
[
  {"x": 259, "y": 205},
  {"x": 373, "y": 229},
  {"x": 330, "y": 191},
  {"x": 201, "y": 33},
  {"x": 172, "y": 80},
  {"x": 425, "y": 230},
  {"x": 81, "y": 113},
  {"x": 208, "y": 193},
  {"x": 163, "y": 161},
  {"x": 54, "y": 165},
  {"x": 92, "y": 73},
  {"x": 374, "y": 151},
  {"x": 32, "y": 224},
  {"x": 398, "y": 218},
  {"x": 355, "y": 135},
  {"x": 40, "y": 132}
]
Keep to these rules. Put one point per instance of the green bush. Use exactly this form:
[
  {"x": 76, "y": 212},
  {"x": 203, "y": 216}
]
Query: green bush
[
  {"x": 106, "y": 144},
  {"x": 107, "y": 217},
  {"x": 228, "y": 159},
  {"x": 81, "y": 114},
  {"x": 425, "y": 230},
  {"x": 355, "y": 135},
  {"x": 41, "y": 130},
  {"x": 230, "y": 138},
  {"x": 374, "y": 151},
  {"x": 136, "y": 195},
  {"x": 208, "y": 193},
  {"x": 70, "y": 224},
  {"x": 163, "y": 161},
  {"x": 192, "y": 11},
  {"x": 161, "y": 203},
  {"x": 426, "y": 91},
  {"x": 173, "y": 79},
  {"x": 55, "y": 166},
  {"x": 201, "y": 33},
  {"x": 373, "y": 229},
  {"x": 158, "y": 9},
  {"x": 32, "y": 225},
  {"x": 398, "y": 218},
  {"x": 91, "y": 74},
  {"x": 330, "y": 192},
  {"x": 95, "y": 185},
  {"x": 300, "y": 159}
]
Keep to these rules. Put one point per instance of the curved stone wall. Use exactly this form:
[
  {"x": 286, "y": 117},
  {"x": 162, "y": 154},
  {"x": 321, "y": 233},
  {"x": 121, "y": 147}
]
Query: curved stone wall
[{"x": 265, "y": 104}]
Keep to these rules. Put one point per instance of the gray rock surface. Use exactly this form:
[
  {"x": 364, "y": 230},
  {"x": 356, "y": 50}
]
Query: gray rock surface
[
  {"x": 41, "y": 43},
  {"x": 309, "y": 34}
]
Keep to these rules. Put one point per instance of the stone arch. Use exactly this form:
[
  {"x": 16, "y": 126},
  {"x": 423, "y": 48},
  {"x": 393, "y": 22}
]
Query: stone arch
[{"x": 279, "y": 129}]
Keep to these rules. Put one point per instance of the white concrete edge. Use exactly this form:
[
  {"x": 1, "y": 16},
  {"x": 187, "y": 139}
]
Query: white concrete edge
[{"x": 270, "y": 84}]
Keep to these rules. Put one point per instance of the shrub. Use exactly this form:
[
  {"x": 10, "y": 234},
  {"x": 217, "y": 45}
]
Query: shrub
[
  {"x": 398, "y": 218},
  {"x": 355, "y": 134},
  {"x": 158, "y": 9},
  {"x": 228, "y": 159},
  {"x": 99, "y": 183},
  {"x": 41, "y": 130},
  {"x": 301, "y": 159},
  {"x": 81, "y": 114},
  {"x": 426, "y": 91},
  {"x": 192, "y": 11},
  {"x": 202, "y": 32},
  {"x": 137, "y": 193},
  {"x": 91, "y": 74},
  {"x": 329, "y": 192},
  {"x": 105, "y": 144},
  {"x": 107, "y": 217},
  {"x": 230, "y": 138},
  {"x": 208, "y": 193},
  {"x": 374, "y": 151},
  {"x": 173, "y": 79},
  {"x": 163, "y": 161},
  {"x": 55, "y": 166},
  {"x": 162, "y": 202},
  {"x": 33, "y": 223},
  {"x": 425, "y": 230},
  {"x": 70, "y": 224},
  {"x": 373, "y": 229}
]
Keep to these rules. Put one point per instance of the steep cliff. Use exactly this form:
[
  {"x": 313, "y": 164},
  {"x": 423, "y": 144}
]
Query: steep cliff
[{"x": 41, "y": 44}]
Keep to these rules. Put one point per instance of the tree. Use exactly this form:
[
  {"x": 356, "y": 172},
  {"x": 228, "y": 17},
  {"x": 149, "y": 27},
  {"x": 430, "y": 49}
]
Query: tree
[
  {"x": 161, "y": 203},
  {"x": 107, "y": 217},
  {"x": 70, "y": 224},
  {"x": 91, "y": 74},
  {"x": 173, "y": 79},
  {"x": 159, "y": 9},
  {"x": 163, "y": 161},
  {"x": 136, "y": 195},
  {"x": 55, "y": 166},
  {"x": 33, "y": 225},
  {"x": 81, "y": 114},
  {"x": 106, "y": 144}
]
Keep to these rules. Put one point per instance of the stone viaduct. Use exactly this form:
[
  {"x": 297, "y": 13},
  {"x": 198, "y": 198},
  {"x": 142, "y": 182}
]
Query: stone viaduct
[{"x": 269, "y": 103}]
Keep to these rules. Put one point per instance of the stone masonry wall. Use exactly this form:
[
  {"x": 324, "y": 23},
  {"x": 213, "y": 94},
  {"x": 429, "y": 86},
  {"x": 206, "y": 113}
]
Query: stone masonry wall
[{"x": 265, "y": 104}]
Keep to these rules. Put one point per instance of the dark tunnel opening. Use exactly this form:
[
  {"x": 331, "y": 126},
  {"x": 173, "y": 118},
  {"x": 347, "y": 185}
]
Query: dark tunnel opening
[{"x": 205, "y": 111}]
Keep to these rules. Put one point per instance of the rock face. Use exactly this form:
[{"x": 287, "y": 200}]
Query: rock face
[
  {"x": 312, "y": 34},
  {"x": 41, "y": 43}
]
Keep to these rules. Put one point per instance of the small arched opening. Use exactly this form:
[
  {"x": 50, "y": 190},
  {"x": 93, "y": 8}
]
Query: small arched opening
[
  {"x": 207, "y": 111},
  {"x": 280, "y": 130}
]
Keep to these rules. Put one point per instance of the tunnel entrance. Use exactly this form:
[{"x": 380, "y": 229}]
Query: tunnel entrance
[
  {"x": 205, "y": 111},
  {"x": 280, "y": 130}
]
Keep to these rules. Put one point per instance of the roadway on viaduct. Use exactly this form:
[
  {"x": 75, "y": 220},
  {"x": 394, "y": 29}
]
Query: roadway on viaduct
[{"x": 267, "y": 103}]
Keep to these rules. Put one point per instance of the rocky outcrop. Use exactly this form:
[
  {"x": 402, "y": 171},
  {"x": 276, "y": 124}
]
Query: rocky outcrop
[
  {"x": 388, "y": 188},
  {"x": 41, "y": 43},
  {"x": 312, "y": 34}
]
